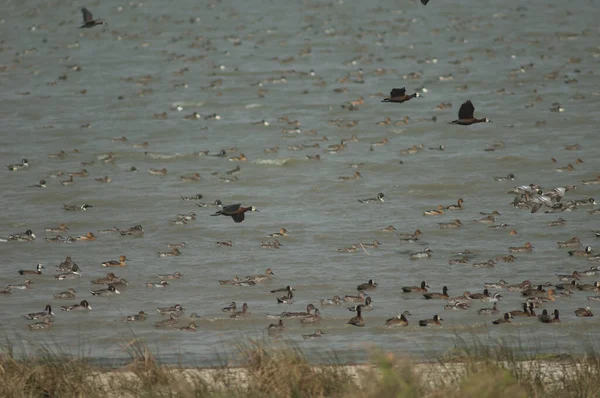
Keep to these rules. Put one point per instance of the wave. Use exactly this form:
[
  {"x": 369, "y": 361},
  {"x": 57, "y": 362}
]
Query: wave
[{"x": 274, "y": 162}]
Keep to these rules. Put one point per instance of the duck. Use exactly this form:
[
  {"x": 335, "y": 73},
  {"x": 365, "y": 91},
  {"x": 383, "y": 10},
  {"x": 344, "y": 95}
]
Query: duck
[
  {"x": 109, "y": 278},
  {"x": 457, "y": 206},
  {"x": 366, "y": 306},
  {"x": 240, "y": 314},
  {"x": 261, "y": 277},
  {"x": 336, "y": 300},
  {"x": 408, "y": 236},
  {"x": 486, "y": 220},
  {"x": 561, "y": 221},
  {"x": 83, "y": 207},
  {"x": 587, "y": 286},
  {"x": 87, "y": 237},
  {"x": 546, "y": 318},
  {"x": 226, "y": 243},
  {"x": 505, "y": 319},
  {"x": 162, "y": 283},
  {"x": 235, "y": 211},
  {"x": 523, "y": 312},
  {"x": 140, "y": 316},
  {"x": 528, "y": 247},
  {"x": 506, "y": 259},
  {"x": 584, "y": 312},
  {"x": 489, "y": 311},
  {"x": 480, "y": 296},
  {"x": 174, "y": 275},
  {"x": 499, "y": 226},
  {"x": 358, "y": 319},
  {"x": 191, "y": 327},
  {"x": 582, "y": 253},
  {"x": 315, "y": 317},
  {"x": 465, "y": 115},
  {"x": 38, "y": 271},
  {"x": 569, "y": 277},
  {"x": 420, "y": 255},
  {"x": 435, "y": 212},
  {"x": 240, "y": 158},
  {"x": 463, "y": 298},
  {"x": 69, "y": 294},
  {"x": 18, "y": 166},
  {"x": 309, "y": 309},
  {"x": 22, "y": 286},
  {"x": 82, "y": 306},
  {"x": 437, "y": 296},
  {"x": 462, "y": 260},
  {"x": 539, "y": 291},
  {"x": 27, "y": 236},
  {"x": 191, "y": 178},
  {"x": 399, "y": 95},
  {"x": 519, "y": 287},
  {"x": 108, "y": 292},
  {"x": 486, "y": 264},
  {"x": 158, "y": 172},
  {"x": 573, "y": 242},
  {"x": 230, "y": 308},
  {"x": 136, "y": 230},
  {"x": 41, "y": 184},
  {"x": 275, "y": 329},
  {"x": 282, "y": 232},
  {"x": 171, "y": 321},
  {"x": 416, "y": 289},
  {"x": 88, "y": 19},
  {"x": 288, "y": 298},
  {"x": 194, "y": 197},
  {"x": 173, "y": 253},
  {"x": 509, "y": 177},
  {"x": 45, "y": 324},
  {"x": 37, "y": 315},
  {"x": 57, "y": 230},
  {"x": 283, "y": 289},
  {"x": 317, "y": 334},
  {"x": 355, "y": 176},
  {"x": 6, "y": 291},
  {"x": 115, "y": 263},
  {"x": 398, "y": 320},
  {"x": 377, "y": 198},
  {"x": 495, "y": 285},
  {"x": 451, "y": 225},
  {"x": 176, "y": 310},
  {"x": 370, "y": 285},
  {"x": 360, "y": 298},
  {"x": 434, "y": 321}
]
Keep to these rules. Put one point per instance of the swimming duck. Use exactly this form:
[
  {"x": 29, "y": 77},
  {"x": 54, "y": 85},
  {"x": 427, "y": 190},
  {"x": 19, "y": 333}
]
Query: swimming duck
[
  {"x": 523, "y": 312},
  {"x": 584, "y": 312},
  {"x": 195, "y": 197},
  {"x": 519, "y": 287},
  {"x": 528, "y": 247},
  {"x": 6, "y": 291},
  {"x": 82, "y": 306},
  {"x": 41, "y": 184},
  {"x": 192, "y": 178},
  {"x": 465, "y": 115},
  {"x": 509, "y": 177},
  {"x": 283, "y": 289},
  {"x": 378, "y": 198},
  {"x": 271, "y": 244},
  {"x": 309, "y": 310},
  {"x": 398, "y": 320},
  {"x": 489, "y": 311},
  {"x": 240, "y": 158},
  {"x": 38, "y": 271},
  {"x": 539, "y": 291},
  {"x": 498, "y": 226},
  {"x": 27, "y": 236},
  {"x": 436, "y": 212},
  {"x": 486, "y": 264},
  {"x": 559, "y": 222},
  {"x": 174, "y": 252},
  {"x": 162, "y": 283},
  {"x": 399, "y": 95},
  {"x": 261, "y": 277},
  {"x": 358, "y": 319},
  {"x": 568, "y": 277},
  {"x": 315, "y": 317},
  {"x": 416, "y": 289},
  {"x": 83, "y": 207},
  {"x": 174, "y": 275},
  {"x": 233, "y": 281},
  {"x": 420, "y": 255},
  {"x": 506, "y": 259},
  {"x": 451, "y": 225},
  {"x": 355, "y": 176},
  {"x": 486, "y": 220},
  {"x": 110, "y": 277},
  {"x": 336, "y": 300},
  {"x": 166, "y": 323},
  {"x": 235, "y": 211},
  {"x": 70, "y": 293},
  {"x": 581, "y": 253},
  {"x": 18, "y": 166},
  {"x": 592, "y": 271},
  {"x": 463, "y": 298},
  {"x": 275, "y": 328},
  {"x": 594, "y": 181},
  {"x": 457, "y": 206},
  {"x": 370, "y": 285},
  {"x": 226, "y": 243},
  {"x": 240, "y": 314},
  {"x": 437, "y": 296},
  {"x": 287, "y": 299},
  {"x": 176, "y": 310},
  {"x": 545, "y": 318},
  {"x": 435, "y": 321},
  {"x": 115, "y": 263},
  {"x": 389, "y": 228},
  {"x": 136, "y": 230},
  {"x": 318, "y": 333},
  {"x": 282, "y": 232},
  {"x": 495, "y": 285},
  {"x": 367, "y": 306},
  {"x": 45, "y": 324},
  {"x": 110, "y": 291},
  {"x": 230, "y": 308},
  {"x": 57, "y": 230},
  {"x": 360, "y": 298},
  {"x": 25, "y": 285},
  {"x": 462, "y": 260},
  {"x": 72, "y": 271},
  {"x": 37, "y": 315},
  {"x": 88, "y": 19},
  {"x": 189, "y": 328},
  {"x": 408, "y": 237},
  {"x": 140, "y": 316},
  {"x": 573, "y": 242},
  {"x": 505, "y": 319},
  {"x": 158, "y": 172},
  {"x": 480, "y": 296},
  {"x": 87, "y": 237}
]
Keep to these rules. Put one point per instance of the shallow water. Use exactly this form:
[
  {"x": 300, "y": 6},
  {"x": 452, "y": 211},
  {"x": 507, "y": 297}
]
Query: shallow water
[{"x": 42, "y": 114}]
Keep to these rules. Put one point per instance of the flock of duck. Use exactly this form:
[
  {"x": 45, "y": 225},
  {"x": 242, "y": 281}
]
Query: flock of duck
[{"x": 531, "y": 197}]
